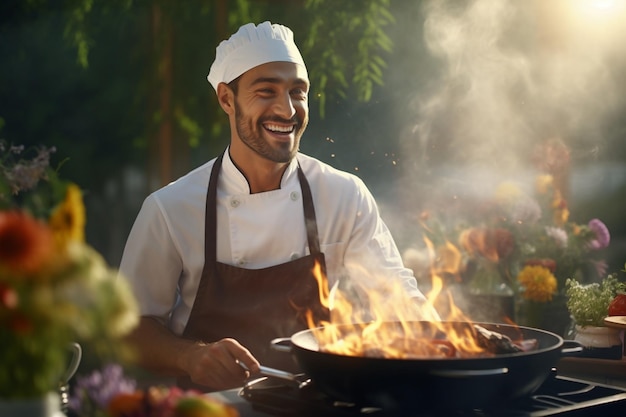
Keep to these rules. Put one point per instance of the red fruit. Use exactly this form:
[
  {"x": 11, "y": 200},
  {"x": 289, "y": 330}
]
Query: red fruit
[{"x": 618, "y": 305}]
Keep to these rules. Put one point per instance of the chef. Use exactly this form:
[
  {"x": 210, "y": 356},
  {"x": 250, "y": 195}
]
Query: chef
[{"x": 224, "y": 259}]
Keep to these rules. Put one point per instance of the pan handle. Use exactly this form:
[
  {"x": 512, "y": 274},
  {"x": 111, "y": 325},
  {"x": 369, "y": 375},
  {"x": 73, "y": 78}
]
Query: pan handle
[
  {"x": 281, "y": 344},
  {"x": 571, "y": 348},
  {"x": 468, "y": 373},
  {"x": 299, "y": 380},
  {"x": 277, "y": 373}
]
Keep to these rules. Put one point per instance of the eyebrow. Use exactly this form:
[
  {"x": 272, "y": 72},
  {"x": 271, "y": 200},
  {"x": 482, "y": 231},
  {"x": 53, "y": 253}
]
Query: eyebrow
[{"x": 275, "y": 80}]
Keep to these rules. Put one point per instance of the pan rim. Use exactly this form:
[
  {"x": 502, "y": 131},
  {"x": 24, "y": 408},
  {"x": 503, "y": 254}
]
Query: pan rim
[{"x": 556, "y": 345}]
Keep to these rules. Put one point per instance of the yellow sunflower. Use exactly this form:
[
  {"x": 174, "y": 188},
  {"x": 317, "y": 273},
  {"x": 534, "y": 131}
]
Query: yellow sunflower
[
  {"x": 68, "y": 218},
  {"x": 539, "y": 284}
]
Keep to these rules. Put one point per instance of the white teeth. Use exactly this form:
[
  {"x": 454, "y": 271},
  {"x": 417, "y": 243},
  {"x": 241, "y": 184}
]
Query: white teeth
[{"x": 281, "y": 129}]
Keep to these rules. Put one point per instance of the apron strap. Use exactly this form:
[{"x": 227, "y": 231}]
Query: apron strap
[
  {"x": 210, "y": 229},
  {"x": 210, "y": 233},
  {"x": 309, "y": 213}
]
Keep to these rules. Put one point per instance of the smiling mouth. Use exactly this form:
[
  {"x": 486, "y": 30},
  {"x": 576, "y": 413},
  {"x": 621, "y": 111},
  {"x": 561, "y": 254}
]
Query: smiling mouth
[{"x": 279, "y": 129}]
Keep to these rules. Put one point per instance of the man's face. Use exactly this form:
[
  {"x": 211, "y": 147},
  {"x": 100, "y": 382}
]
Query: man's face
[{"x": 271, "y": 109}]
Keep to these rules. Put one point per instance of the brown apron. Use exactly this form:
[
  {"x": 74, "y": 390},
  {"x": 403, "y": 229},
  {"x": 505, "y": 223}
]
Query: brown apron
[{"x": 254, "y": 306}]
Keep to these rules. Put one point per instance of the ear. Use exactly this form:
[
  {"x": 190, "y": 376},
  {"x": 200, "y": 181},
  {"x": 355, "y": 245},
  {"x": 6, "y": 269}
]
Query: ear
[{"x": 226, "y": 98}]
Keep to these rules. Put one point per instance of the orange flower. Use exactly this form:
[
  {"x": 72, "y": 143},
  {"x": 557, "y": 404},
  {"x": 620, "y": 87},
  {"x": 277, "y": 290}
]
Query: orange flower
[
  {"x": 493, "y": 244},
  {"x": 127, "y": 404},
  {"x": 25, "y": 243}
]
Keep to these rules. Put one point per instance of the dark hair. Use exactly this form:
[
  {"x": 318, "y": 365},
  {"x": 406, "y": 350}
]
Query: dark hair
[{"x": 234, "y": 85}]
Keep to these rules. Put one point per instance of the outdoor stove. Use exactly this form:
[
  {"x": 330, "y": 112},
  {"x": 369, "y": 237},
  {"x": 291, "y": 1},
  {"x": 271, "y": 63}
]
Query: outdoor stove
[{"x": 558, "y": 396}]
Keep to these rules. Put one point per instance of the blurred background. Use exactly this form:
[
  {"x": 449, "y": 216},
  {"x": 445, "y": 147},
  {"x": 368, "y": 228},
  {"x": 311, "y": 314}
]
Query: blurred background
[{"x": 427, "y": 101}]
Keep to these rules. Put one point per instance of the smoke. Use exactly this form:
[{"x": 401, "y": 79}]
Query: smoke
[{"x": 512, "y": 74}]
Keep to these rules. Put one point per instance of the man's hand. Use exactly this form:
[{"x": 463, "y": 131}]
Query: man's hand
[{"x": 216, "y": 364}]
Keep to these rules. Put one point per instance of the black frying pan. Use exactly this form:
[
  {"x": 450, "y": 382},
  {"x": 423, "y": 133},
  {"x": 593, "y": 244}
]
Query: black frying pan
[{"x": 440, "y": 383}]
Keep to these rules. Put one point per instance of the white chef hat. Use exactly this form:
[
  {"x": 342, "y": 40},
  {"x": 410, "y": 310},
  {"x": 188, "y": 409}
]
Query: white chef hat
[{"x": 252, "y": 46}]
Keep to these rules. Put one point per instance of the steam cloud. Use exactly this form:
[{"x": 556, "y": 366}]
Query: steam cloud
[{"x": 513, "y": 74}]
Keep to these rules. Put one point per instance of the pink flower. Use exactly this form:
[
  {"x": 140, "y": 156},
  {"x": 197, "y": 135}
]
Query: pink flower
[{"x": 602, "y": 235}]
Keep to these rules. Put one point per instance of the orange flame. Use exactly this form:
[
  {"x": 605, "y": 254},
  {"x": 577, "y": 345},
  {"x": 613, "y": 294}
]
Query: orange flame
[{"x": 391, "y": 325}]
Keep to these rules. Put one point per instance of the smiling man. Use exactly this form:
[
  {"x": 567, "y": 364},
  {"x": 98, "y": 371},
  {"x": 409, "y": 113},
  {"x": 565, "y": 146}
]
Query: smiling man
[{"x": 223, "y": 260}]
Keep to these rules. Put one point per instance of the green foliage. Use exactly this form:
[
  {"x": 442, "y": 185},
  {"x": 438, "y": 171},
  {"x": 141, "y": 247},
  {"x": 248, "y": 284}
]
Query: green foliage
[
  {"x": 76, "y": 29},
  {"x": 104, "y": 60},
  {"x": 344, "y": 47},
  {"x": 588, "y": 304}
]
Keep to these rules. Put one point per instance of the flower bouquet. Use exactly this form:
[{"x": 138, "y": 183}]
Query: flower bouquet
[
  {"x": 522, "y": 242},
  {"x": 108, "y": 393},
  {"x": 54, "y": 288}
]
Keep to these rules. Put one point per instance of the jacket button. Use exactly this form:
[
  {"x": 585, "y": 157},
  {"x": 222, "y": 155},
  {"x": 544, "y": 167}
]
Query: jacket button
[
  {"x": 294, "y": 196},
  {"x": 234, "y": 203}
]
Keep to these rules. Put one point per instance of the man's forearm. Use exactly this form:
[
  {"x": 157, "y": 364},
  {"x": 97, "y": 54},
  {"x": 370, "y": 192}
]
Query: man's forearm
[{"x": 157, "y": 348}]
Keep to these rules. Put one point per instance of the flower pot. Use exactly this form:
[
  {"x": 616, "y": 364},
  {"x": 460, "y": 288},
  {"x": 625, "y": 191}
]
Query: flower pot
[
  {"x": 46, "y": 406},
  {"x": 599, "y": 342},
  {"x": 550, "y": 315}
]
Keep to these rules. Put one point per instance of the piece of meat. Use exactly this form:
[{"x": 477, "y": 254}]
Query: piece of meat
[{"x": 495, "y": 342}]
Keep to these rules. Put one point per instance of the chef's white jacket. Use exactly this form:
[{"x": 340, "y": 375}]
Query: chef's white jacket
[{"x": 164, "y": 254}]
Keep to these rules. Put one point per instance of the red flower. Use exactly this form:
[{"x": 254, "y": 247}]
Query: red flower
[
  {"x": 20, "y": 324},
  {"x": 8, "y": 297},
  {"x": 25, "y": 243}
]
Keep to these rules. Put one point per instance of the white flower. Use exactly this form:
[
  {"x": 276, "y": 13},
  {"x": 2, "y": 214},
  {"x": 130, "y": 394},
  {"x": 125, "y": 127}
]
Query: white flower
[{"x": 558, "y": 235}]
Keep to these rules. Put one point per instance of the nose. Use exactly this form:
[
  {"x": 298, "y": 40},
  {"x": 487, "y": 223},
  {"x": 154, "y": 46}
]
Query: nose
[{"x": 284, "y": 106}]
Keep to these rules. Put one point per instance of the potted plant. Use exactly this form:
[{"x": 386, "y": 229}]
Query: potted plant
[{"x": 588, "y": 304}]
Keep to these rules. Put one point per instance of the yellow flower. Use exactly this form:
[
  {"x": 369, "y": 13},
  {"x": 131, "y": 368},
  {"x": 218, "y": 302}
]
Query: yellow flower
[
  {"x": 561, "y": 212},
  {"x": 544, "y": 183},
  {"x": 538, "y": 283},
  {"x": 68, "y": 219},
  {"x": 508, "y": 193}
]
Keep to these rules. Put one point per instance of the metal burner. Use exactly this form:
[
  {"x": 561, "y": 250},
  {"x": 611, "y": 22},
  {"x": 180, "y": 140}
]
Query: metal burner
[{"x": 558, "y": 396}]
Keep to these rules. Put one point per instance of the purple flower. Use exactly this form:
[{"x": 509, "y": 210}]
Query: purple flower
[
  {"x": 602, "y": 235},
  {"x": 98, "y": 388},
  {"x": 25, "y": 174}
]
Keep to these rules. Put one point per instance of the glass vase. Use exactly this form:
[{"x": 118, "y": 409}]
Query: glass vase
[
  {"x": 48, "y": 405},
  {"x": 490, "y": 297}
]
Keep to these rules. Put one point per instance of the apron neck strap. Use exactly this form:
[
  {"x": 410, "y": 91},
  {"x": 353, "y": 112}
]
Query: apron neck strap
[
  {"x": 210, "y": 230},
  {"x": 309, "y": 213}
]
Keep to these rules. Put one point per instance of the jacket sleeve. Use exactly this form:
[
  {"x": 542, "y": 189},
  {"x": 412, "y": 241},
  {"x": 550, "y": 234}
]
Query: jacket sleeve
[{"x": 151, "y": 262}]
